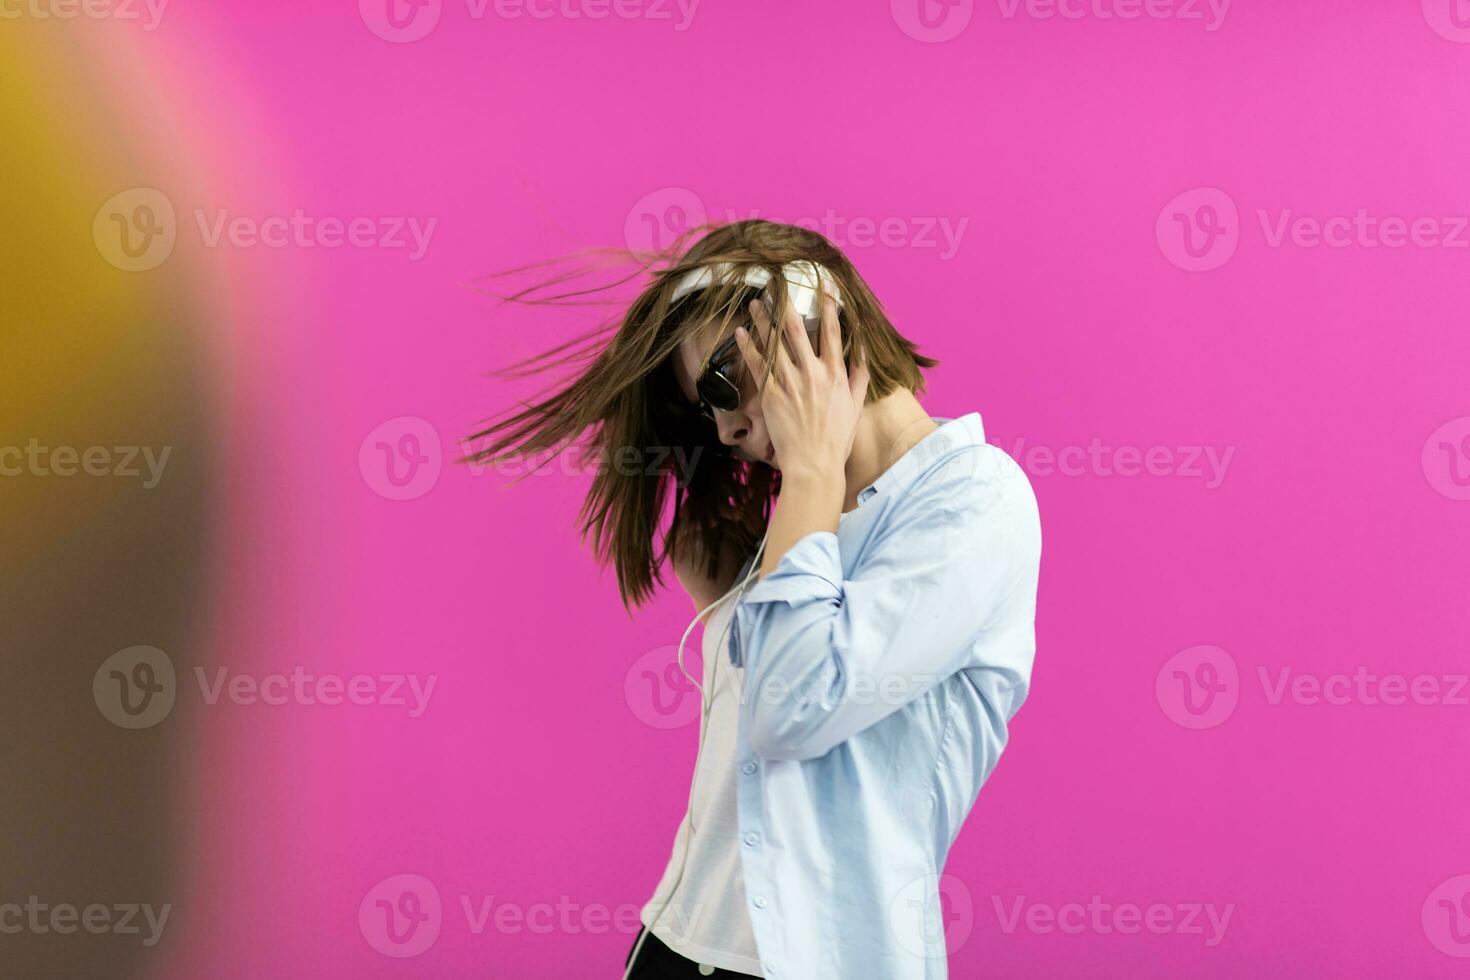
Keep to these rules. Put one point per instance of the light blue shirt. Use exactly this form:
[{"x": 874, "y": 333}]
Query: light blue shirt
[{"x": 883, "y": 664}]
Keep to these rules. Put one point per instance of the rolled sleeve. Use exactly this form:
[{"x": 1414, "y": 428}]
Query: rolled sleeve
[
  {"x": 826, "y": 654},
  {"x": 810, "y": 571}
]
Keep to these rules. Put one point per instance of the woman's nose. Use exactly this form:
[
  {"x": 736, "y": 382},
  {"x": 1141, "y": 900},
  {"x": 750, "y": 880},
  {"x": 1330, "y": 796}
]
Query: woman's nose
[{"x": 732, "y": 426}]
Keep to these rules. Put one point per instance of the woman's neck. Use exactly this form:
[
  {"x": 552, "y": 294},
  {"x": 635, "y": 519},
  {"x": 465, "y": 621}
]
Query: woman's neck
[{"x": 888, "y": 428}]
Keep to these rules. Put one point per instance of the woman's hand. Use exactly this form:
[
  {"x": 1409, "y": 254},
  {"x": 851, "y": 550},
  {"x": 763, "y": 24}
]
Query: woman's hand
[{"x": 811, "y": 404}]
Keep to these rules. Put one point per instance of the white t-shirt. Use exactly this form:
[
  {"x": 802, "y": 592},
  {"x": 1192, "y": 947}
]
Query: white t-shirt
[{"x": 704, "y": 916}]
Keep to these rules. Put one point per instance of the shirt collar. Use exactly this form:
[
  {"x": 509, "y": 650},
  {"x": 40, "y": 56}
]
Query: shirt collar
[{"x": 952, "y": 434}]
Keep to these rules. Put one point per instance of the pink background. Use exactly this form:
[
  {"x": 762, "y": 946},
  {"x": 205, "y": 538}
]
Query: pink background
[{"x": 1332, "y": 542}]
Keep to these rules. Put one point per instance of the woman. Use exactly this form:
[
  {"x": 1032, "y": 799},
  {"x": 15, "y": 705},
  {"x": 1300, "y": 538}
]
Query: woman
[{"x": 872, "y": 575}]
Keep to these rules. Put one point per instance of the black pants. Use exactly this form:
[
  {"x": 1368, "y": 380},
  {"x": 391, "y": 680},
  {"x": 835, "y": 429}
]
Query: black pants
[{"x": 657, "y": 962}]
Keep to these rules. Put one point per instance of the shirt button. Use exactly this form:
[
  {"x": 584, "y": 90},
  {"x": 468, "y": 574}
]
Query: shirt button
[
  {"x": 752, "y": 839},
  {"x": 760, "y": 901},
  {"x": 748, "y": 768}
]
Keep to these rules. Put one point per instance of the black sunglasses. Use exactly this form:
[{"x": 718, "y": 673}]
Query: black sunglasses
[{"x": 719, "y": 384}]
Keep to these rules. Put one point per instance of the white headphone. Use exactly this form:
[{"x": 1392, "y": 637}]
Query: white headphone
[
  {"x": 803, "y": 280},
  {"x": 739, "y": 586}
]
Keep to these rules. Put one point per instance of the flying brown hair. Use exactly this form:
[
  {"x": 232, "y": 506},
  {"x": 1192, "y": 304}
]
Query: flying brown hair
[{"x": 626, "y": 403}]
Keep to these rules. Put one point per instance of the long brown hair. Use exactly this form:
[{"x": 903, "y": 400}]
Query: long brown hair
[{"x": 628, "y": 404}]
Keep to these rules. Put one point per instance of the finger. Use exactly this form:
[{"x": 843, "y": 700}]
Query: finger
[
  {"x": 751, "y": 357},
  {"x": 752, "y": 348},
  {"x": 765, "y": 332},
  {"x": 800, "y": 344},
  {"x": 784, "y": 369},
  {"x": 831, "y": 331},
  {"x": 781, "y": 369}
]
